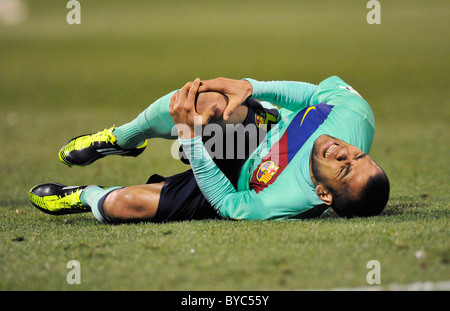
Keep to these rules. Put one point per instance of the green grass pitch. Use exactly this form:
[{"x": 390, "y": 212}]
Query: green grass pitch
[{"x": 58, "y": 81}]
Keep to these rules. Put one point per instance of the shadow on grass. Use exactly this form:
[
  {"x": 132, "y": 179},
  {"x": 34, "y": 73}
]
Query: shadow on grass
[{"x": 406, "y": 207}]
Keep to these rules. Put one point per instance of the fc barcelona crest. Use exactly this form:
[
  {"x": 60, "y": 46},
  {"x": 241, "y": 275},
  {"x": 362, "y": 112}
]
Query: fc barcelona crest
[{"x": 266, "y": 171}]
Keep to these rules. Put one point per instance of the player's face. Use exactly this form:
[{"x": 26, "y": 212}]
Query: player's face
[{"x": 337, "y": 164}]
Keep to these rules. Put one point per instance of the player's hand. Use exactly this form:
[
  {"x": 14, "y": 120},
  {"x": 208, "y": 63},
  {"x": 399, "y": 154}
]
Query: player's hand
[
  {"x": 182, "y": 109},
  {"x": 237, "y": 92}
]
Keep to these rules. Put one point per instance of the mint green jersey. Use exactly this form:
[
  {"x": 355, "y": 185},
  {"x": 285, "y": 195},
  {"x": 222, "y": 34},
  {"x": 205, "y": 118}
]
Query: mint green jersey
[{"x": 275, "y": 181}]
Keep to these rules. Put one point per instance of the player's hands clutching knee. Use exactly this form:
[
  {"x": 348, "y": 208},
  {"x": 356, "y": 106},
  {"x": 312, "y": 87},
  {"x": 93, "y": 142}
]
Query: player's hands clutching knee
[
  {"x": 184, "y": 114},
  {"x": 237, "y": 92}
]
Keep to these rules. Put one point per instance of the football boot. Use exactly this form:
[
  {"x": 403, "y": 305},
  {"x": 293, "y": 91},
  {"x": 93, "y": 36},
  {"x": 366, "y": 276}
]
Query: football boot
[
  {"x": 86, "y": 149},
  {"x": 58, "y": 199}
]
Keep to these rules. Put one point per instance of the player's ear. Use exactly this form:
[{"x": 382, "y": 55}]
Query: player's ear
[{"x": 324, "y": 194}]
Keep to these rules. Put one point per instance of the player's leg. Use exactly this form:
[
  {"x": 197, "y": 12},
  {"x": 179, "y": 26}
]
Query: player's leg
[
  {"x": 132, "y": 204},
  {"x": 156, "y": 121},
  {"x": 129, "y": 139},
  {"x": 108, "y": 205},
  {"x": 174, "y": 198},
  {"x": 162, "y": 199}
]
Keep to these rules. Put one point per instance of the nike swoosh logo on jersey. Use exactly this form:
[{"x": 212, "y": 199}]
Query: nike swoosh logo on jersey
[{"x": 306, "y": 112}]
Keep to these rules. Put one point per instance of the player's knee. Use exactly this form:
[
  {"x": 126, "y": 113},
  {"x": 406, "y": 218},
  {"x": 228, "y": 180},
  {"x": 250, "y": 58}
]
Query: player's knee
[
  {"x": 123, "y": 204},
  {"x": 206, "y": 99}
]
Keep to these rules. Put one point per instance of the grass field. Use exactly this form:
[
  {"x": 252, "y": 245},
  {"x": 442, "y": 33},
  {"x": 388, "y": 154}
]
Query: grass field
[{"x": 58, "y": 81}]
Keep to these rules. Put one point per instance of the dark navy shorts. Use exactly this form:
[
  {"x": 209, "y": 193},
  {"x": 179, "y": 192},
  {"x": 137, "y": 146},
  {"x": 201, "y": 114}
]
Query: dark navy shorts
[{"x": 181, "y": 198}]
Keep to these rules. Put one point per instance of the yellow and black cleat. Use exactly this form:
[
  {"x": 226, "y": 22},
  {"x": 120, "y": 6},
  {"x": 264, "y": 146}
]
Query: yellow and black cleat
[
  {"x": 57, "y": 199},
  {"x": 86, "y": 149}
]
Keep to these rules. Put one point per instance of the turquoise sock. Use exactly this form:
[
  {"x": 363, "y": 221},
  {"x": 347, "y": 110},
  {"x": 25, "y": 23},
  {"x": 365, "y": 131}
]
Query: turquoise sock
[
  {"x": 129, "y": 136},
  {"x": 153, "y": 122},
  {"x": 94, "y": 196}
]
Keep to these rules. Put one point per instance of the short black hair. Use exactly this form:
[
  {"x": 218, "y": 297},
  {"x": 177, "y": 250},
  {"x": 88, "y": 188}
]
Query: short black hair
[{"x": 370, "y": 202}]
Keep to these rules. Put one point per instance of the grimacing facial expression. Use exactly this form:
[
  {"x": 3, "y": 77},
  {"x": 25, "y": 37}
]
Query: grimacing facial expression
[{"x": 336, "y": 164}]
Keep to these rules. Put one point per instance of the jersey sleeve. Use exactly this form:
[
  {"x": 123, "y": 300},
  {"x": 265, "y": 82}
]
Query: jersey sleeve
[
  {"x": 221, "y": 194},
  {"x": 334, "y": 91},
  {"x": 295, "y": 95},
  {"x": 291, "y": 95}
]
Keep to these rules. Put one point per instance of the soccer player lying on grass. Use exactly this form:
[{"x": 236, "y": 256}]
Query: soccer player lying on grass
[{"x": 313, "y": 158}]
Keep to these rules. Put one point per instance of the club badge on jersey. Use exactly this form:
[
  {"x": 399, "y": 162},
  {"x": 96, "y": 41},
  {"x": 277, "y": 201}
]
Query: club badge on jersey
[{"x": 266, "y": 171}]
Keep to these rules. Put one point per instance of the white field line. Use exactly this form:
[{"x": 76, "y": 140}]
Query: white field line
[{"x": 417, "y": 286}]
